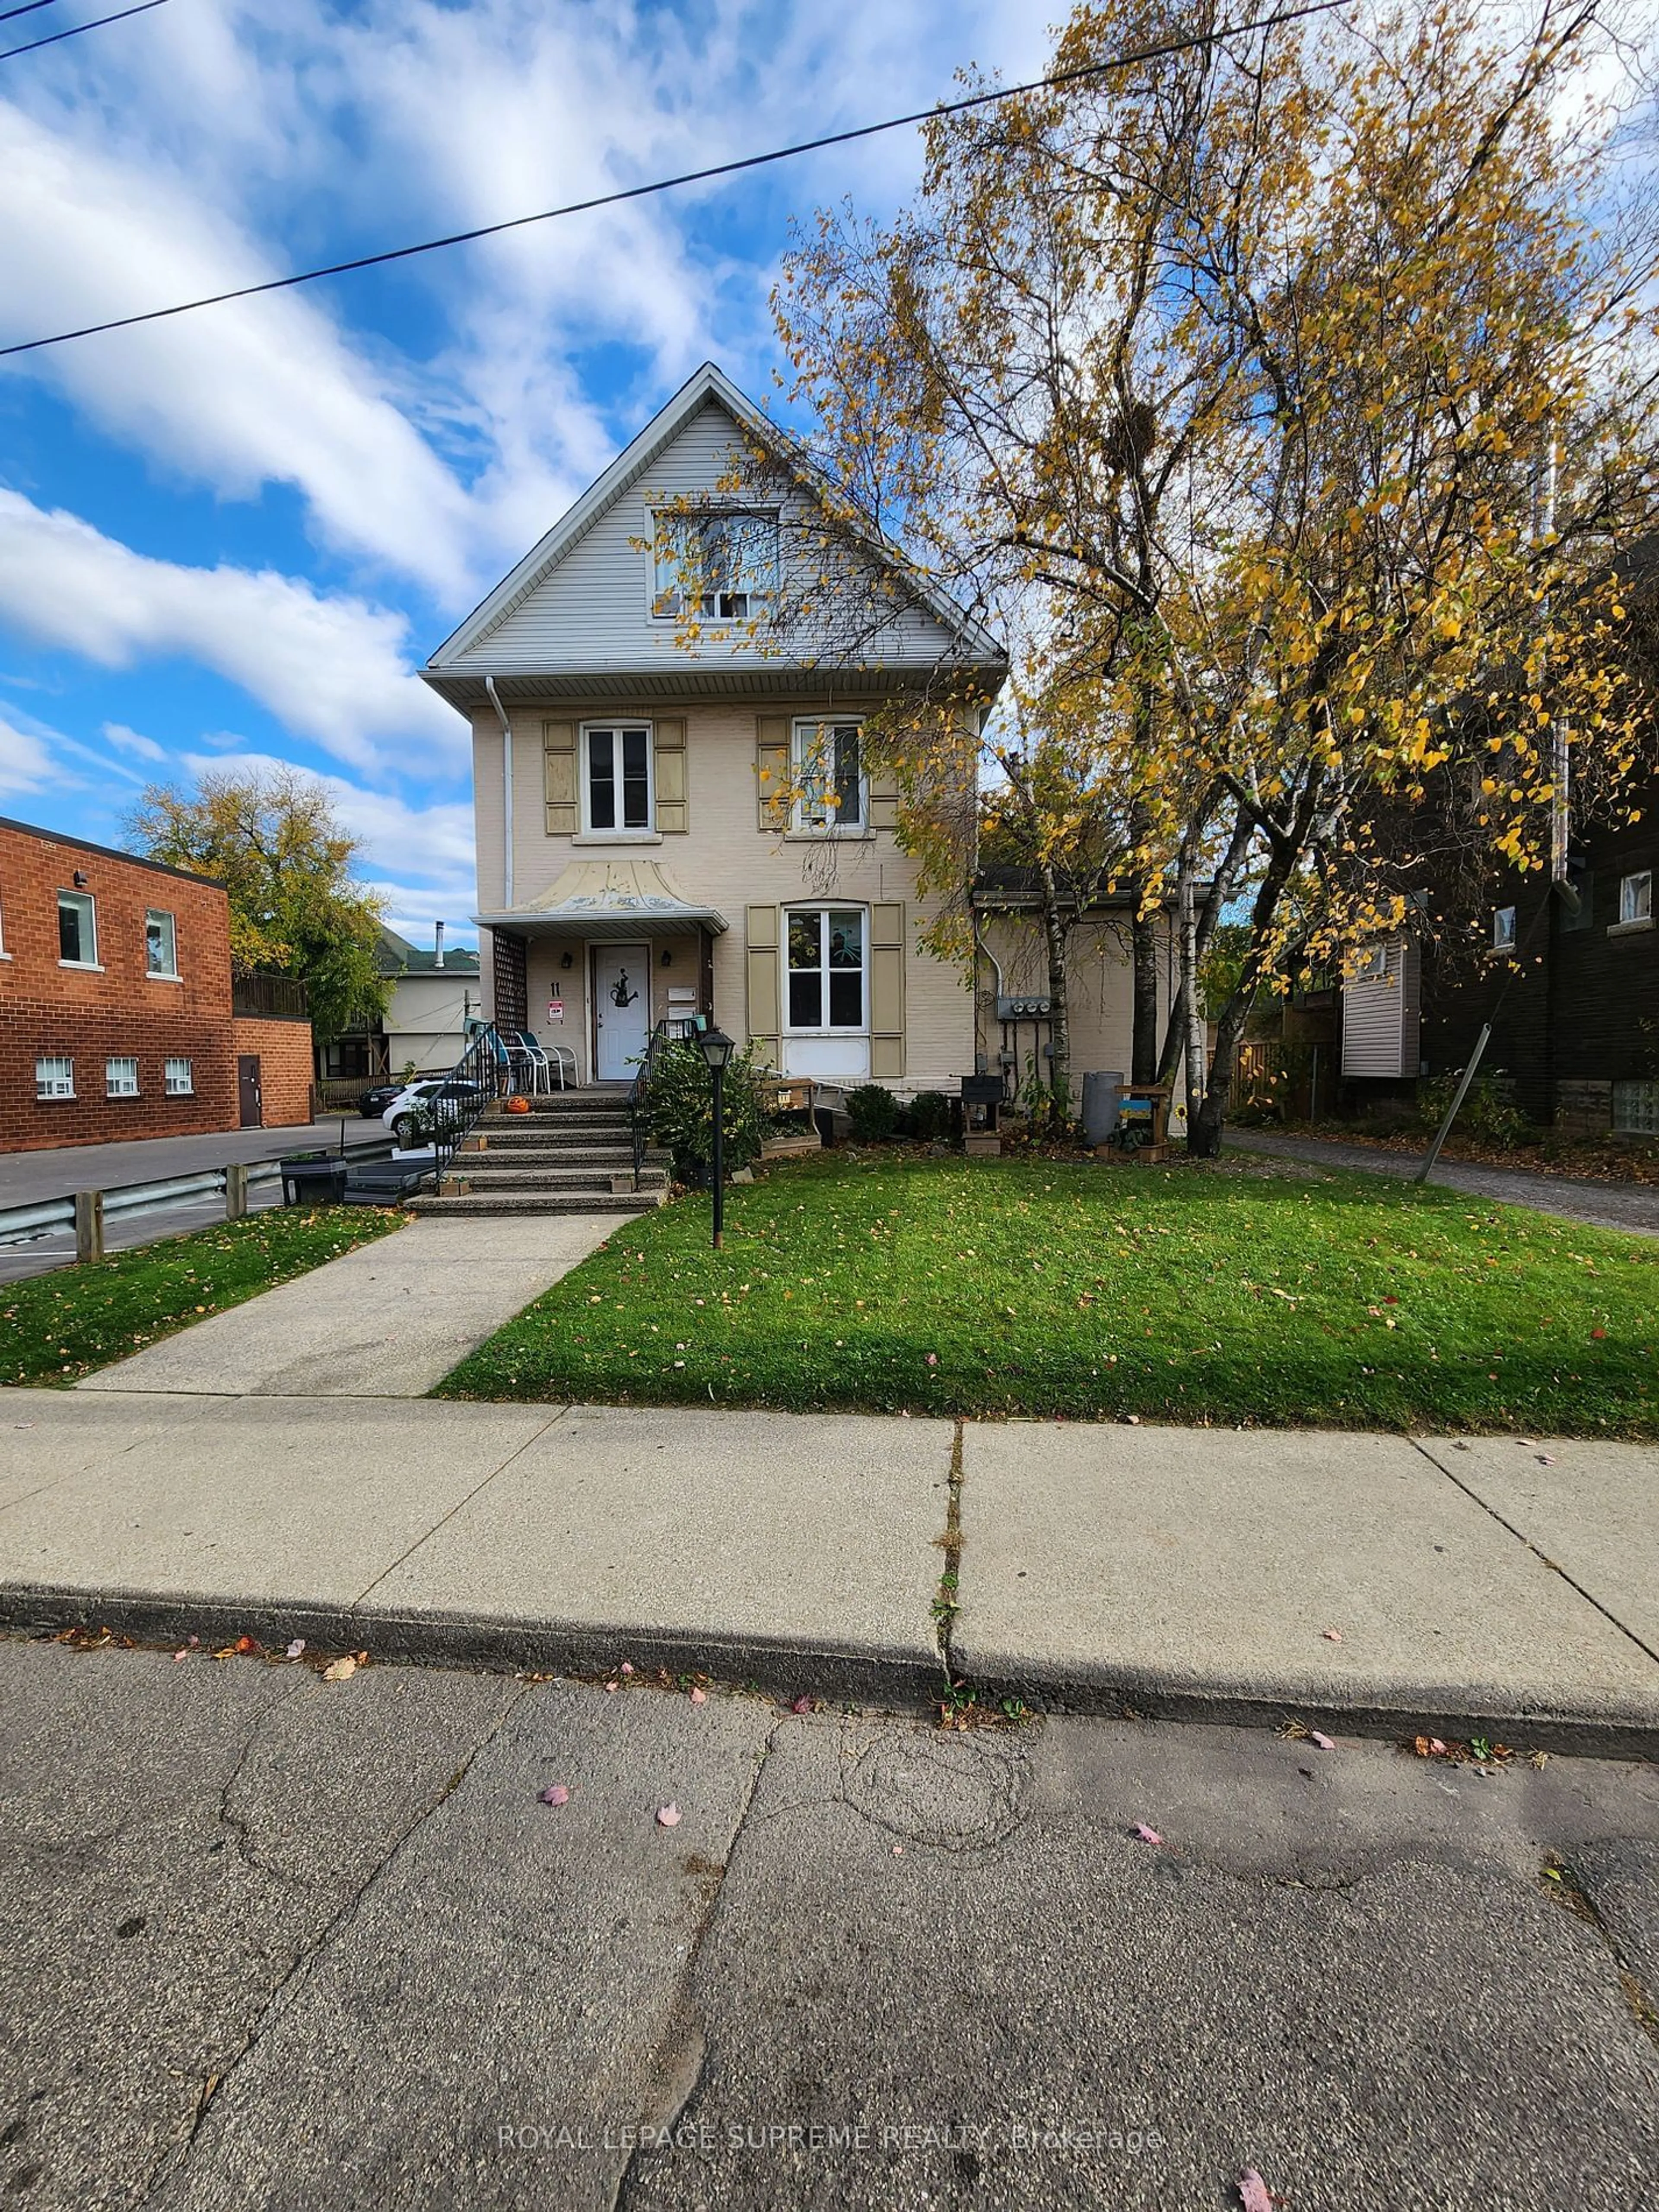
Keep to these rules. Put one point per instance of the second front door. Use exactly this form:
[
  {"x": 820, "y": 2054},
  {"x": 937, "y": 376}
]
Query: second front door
[{"x": 621, "y": 1010}]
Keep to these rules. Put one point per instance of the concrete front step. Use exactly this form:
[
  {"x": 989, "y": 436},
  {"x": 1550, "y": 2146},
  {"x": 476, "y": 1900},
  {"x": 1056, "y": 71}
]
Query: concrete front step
[
  {"x": 540, "y": 1201},
  {"x": 482, "y": 1176},
  {"x": 552, "y": 1156}
]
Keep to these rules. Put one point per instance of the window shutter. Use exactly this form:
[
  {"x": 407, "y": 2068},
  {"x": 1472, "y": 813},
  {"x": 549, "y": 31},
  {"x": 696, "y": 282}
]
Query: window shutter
[
  {"x": 559, "y": 778},
  {"x": 883, "y": 797},
  {"x": 772, "y": 770},
  {"x": 886, "y": 992},
  {"x": 761, "y": 934},
  {"x": 668, "y": 764}
]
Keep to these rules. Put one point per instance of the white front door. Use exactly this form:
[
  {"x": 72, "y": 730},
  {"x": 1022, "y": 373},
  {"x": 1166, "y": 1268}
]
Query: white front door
[{"x": 622, "y": 1016}]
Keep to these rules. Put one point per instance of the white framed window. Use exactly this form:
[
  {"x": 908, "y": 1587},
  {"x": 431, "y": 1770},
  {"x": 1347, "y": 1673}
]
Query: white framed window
[
  {"x": 180, "y": 1078},
  {"x": 828, "y": 979},
  {"x": 1636, "y": 897},
  {"x": 826, "y": 762},
  {"x": 121, "y": 1076},
  {"x": 77, "y": 930},
  {"x": 1636, "y": 1109},
  {"x": 718, "y": 566},
  {"x": 54, "y": 1076},
  {"x": 1371, "y": 965},
  {"x": 1502, "y": 929},
  {"x": 161, "y": 945},
  {"x": 617, "y": 793}
]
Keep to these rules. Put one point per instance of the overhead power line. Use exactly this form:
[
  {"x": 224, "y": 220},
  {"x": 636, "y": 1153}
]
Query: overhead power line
[
  {"x": 1164, "y": 48},
  {"x": 75, "y": 30},
  {"x": 27, "y": 8}
]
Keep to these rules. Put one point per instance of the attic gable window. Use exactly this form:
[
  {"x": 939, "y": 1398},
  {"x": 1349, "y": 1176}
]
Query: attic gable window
[{"x": 717, "y": 566}]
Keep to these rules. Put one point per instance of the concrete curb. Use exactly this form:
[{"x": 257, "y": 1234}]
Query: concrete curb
[
  {"x": 865, "y": 1677},
  {"x": 785, "y": 1670},
  {"x": 1366, "y": 1711}
]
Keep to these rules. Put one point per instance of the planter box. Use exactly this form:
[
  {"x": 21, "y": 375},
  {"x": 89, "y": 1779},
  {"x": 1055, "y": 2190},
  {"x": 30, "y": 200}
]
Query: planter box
[
  {"x": 983, "y": 1145},
  {"x": 778, "y": 1148}
]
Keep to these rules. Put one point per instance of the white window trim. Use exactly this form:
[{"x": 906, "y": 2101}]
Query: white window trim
[
  {"x": 162, "y": 974},
  {"x": 1635, "y": 921},
  {"x": 169, "y": 1088},
  {"x": 53, "y": 1098},
  {"x": 826, "y": 1029},
  {"x": 1500, "y": 942},
  {"x": 662, "y": 518},
  {"x": 835, "y": 826},
  {"x": 132, "y": 1061},
  {"x": 587, "y": 835},
  {"x": 93, "y": 966}
]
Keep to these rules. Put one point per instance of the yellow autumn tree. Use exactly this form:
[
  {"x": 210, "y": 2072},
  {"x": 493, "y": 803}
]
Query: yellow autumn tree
[{"x": 1286, "y": 397}]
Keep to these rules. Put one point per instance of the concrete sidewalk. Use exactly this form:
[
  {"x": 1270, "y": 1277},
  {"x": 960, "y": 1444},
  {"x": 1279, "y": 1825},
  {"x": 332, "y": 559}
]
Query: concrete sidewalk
[
  {"x": 387, "y": 1321},
  {"x": 1472, "y": 1589}
]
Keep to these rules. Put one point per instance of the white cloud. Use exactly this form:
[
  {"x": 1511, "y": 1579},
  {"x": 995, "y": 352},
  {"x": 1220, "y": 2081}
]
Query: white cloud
[
  {"x": 129, "y": 741},
  {"x": 333, "y": 669},
  {"x": 25, "y": 763}
]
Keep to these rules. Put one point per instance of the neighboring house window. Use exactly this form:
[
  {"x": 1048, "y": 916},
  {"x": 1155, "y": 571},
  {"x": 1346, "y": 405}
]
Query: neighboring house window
[
  {"x": 54, "y": 1076},
  {"x": 1636, "y": 1109},
  {"x": 345, "y": 1058},
  {"x": 616, "y": 777},
  {"x": 714, "y": 567},
  {"x": 77, "y": 930},
  {"x": 826, "y": 968},
  {"x": 1636, "y": 897},
  {"x": 1371, "y": 965},
  {"x": 827, "y": 769},
  {"x": 180, "y": 1079},
  {"x": 161, "y": 945},
  {"x": 1502, "y": 929},
  {"x": 121, "y": 1078}
]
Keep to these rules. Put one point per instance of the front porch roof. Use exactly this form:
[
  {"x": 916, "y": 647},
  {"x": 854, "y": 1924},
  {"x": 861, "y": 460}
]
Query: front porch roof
[{"x": 609, "y": 899}]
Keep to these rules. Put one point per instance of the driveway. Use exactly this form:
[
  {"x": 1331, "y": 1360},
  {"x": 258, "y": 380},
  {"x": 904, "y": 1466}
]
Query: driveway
[{"x": 1634, "y": 1207}]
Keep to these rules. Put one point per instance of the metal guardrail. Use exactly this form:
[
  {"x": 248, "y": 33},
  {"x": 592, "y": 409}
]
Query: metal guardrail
[{"x": 23, "y": 1224}]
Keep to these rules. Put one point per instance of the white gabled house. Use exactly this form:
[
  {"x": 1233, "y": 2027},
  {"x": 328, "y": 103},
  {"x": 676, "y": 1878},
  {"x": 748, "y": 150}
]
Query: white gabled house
[{"x": 666, "y": 828}]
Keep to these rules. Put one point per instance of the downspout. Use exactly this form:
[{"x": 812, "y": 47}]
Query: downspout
[{"x": 506, "y": 793}]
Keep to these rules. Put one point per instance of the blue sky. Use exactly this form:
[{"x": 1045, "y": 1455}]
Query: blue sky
[{"x": 235, "y": 535}]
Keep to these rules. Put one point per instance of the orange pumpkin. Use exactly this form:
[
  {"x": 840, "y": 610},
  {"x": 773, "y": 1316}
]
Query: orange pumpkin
[{"x": 518, "y": 1105}]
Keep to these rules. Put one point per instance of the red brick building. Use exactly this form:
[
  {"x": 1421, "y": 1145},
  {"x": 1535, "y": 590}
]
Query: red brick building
[{"x": 117, "y": 1013}]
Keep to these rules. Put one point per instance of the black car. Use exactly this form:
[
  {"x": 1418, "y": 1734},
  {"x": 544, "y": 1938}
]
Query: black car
[{"x": 374, "y": 1103}]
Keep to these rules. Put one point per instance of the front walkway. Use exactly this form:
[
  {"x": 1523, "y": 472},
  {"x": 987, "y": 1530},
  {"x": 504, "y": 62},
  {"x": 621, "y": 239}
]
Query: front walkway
[
  {"x": 1631, "y": 1206},
  {"x": 387, "y": 1321}
]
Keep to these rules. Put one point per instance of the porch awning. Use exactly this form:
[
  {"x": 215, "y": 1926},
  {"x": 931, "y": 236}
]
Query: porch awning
[{"x": 609, "y": 899}]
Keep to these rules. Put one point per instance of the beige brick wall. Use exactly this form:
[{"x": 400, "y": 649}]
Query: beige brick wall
[{"x": 723, "y": 859}]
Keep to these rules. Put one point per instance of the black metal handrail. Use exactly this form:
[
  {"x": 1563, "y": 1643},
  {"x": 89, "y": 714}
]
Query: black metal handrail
[{"x": 485, "y": 1065}]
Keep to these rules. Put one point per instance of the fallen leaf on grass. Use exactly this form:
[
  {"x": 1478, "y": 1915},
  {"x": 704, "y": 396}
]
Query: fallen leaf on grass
[
  {"x": 1148, "y": 1835},
  {"x": 340, "y": 1670},
  {"x": 668, "y": 1816},
  {"x": 1254, "y": 2193},
  {"x": 556, "y": 1794}
]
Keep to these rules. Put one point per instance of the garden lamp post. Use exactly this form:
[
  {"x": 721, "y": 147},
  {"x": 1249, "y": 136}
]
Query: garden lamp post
[{"x": 717, "y": 1048}]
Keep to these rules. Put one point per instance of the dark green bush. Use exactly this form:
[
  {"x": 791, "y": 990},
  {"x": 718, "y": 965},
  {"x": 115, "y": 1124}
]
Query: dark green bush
[
  {"x": 1489, "y": 1114},
  {"x": 680, "y": 1107},
  {"x": 873, "y": 1111},
  {"x": 930, "y": 1115}
]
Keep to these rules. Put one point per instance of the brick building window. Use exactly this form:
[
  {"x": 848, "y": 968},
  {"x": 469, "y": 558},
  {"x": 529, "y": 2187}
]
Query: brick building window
[
  {"x": 161, "y": 945},
  {"x": 54, "y": 1076},
  {"x": 77, "y": 930},
  {"x": 121, "y": 1076},
  {"x": 180, "y": 1079}
]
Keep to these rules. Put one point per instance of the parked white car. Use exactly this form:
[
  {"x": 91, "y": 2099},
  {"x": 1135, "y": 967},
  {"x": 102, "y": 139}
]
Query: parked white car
[{"x": 432, "y": 1099}]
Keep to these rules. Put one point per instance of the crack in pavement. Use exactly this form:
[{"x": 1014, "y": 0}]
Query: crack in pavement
[
  {"x": 1569, "y": 1890},
  {"x": 173, "y": 2161},
  {"x": 1521, "y": 1537},
  {"x": 552, "y": 1422},
  {"x": 682, "y": 2053}
]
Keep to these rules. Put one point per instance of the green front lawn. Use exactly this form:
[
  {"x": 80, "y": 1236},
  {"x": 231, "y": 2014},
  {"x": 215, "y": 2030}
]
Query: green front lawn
[
  {"x": 59, "y": 1327},
  {"x": 1185, "y": 1294}
]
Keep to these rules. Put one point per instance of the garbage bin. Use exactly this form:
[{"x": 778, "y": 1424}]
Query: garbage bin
[
  {"x": 319, "y": 1180},
  {"x": 1101, "y": 1091}
]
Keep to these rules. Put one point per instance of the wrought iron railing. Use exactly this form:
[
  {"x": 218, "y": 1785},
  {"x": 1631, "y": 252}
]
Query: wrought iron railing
[{"x": 481, "y": 1074}]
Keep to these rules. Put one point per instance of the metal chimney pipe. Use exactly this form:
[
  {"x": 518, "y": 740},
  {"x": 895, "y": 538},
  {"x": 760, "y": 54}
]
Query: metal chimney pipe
[{"x": 438, "y": 943}]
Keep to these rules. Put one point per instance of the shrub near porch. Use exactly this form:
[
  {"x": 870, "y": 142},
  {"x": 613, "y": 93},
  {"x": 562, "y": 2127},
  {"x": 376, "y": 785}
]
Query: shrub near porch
[{"x": 1185, "y": 1294}]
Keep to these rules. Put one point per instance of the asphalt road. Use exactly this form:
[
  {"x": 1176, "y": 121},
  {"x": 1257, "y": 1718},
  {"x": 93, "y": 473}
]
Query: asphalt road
[{"x": 271, "y": 1941}]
